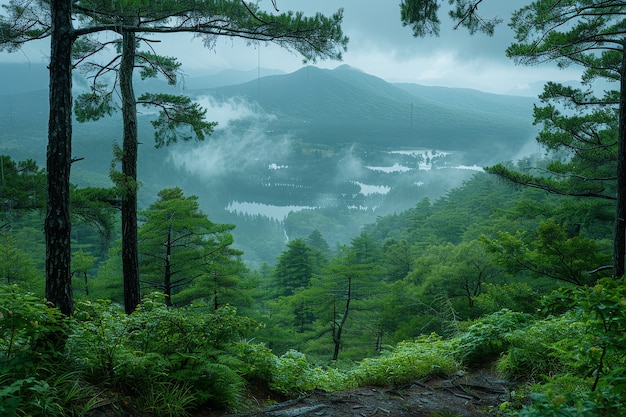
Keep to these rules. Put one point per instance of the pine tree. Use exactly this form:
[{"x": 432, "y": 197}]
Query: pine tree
[
  {"x": 591, "y": 35},
  {"x": 317, "y": 37},
  {"x": 181, "y": 249}
]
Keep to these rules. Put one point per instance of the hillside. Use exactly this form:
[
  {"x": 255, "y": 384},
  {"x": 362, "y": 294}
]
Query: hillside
[
  {"x": 347, "y": 105},
  {"x": 324, "y": 149},
  {"x": 331, "y": 107}
]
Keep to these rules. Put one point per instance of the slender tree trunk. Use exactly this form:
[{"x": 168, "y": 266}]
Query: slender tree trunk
[
  {"x": 339, "y": 330},
  {"x": 167, "y": 279},
  {"x": 619, "y": 240},
  {"x": 130, "y": 257},
  {"x": 57, "y": 225}
]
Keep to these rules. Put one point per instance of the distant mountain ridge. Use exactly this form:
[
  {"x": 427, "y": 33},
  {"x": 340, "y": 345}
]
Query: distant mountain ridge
[
  {"x": 345, "y": 104},
  {"x": 338, "y": 106},
  {"x": 336, "y": 134}
]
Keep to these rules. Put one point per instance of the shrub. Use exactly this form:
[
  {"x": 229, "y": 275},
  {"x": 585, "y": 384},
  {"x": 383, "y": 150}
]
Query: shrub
[
  {"x": 175, "y": 352},
  {"x": 292, "y": 374},
  {"x": 34, "y": 380},
  {"x": 488, "y": 337},
  {"x": 534, "y": 350},
  {"x": 596, "y": 382},
  {"x": 408, "y": 361},
  {"x": 31, "y": 333}
]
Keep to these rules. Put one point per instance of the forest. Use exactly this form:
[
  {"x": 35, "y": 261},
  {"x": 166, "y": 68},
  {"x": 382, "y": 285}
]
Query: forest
[{"x": 113, "y": 304}]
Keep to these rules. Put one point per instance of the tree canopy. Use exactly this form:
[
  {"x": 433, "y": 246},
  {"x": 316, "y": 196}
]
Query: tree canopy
[{"x": 317, "y": 37}]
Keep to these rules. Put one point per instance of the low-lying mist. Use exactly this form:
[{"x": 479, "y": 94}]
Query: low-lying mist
[{"x": 240, "y": 141}]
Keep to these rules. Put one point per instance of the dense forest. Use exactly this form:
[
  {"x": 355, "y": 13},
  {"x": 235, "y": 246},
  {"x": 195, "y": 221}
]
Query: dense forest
[
  {"x": 518, "y": 269},
  {"x": 487, "y": 274}
]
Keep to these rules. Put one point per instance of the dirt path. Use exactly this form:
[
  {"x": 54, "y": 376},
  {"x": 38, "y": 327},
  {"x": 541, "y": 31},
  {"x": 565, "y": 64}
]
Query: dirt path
[{"x": 467, "y": 394}]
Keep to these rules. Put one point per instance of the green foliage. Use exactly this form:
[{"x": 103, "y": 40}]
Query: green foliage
[
  {"x": 578, "y": 356},
  {"x": 536, "y": 349},
  {"x": 488, "y": 337},
  {"x": 185, "y": 254},
  {"x": 457, "y": 272},
  {"x": 124, "y": 184},
  {"x": 292, "y": 374},
  {"x": 166, "y": 399},
  {"x": 30, "y": 330},
  {"x": 152, "y": 65},
  {"x": 22, "y": 186},
  {"x": 553, "y": 253},
  {"x": 408, "y": 361},
  {"x": 94, "y": 105},
  {"x": 175, "y": 113},
  {"x": 35, "y": 380},
  {"x": 16, "y": 267},
  {"x": 96, "y": 209},
  {"x": 422, "y": 16},
  {"x": 295, "y": 267},
  {"x": 516, "y": 296},
  {"x": 160, "y": 353}
]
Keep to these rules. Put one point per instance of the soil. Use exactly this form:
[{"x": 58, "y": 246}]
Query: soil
[{"x": 467, "y": 394}]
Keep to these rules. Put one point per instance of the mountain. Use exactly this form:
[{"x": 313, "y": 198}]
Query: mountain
[
  {"x": 226, "y": 77},
  {"x": 330, "y": 107},
  {"x": 513, "y": 107},
  {"x": 341, "y": 148},
  {"x": 347, "y": 105}
]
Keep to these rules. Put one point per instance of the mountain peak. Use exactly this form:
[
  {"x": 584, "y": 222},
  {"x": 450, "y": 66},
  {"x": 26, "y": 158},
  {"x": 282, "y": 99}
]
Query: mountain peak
[{"x": 344, "y": 67}]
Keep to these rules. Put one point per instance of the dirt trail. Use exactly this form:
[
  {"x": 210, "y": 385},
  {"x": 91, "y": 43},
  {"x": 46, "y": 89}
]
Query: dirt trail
[{"x": 468, "y": 394}]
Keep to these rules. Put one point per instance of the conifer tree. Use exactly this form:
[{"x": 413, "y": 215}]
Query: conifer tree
[
  {"x": 591, "y": 35},
  {"x": 580, "y": 32},
  {"x": 180, "y": 246},
  {"x": 317, "y": 37}
]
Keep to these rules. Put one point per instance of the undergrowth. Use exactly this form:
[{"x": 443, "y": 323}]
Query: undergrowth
[{"x": 172, "y": 361}]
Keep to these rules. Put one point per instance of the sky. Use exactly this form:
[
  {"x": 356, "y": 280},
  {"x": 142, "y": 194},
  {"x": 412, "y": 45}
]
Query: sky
[{"x": 379, "y": 45}]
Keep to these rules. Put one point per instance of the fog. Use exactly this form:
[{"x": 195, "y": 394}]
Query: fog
[{"x": 239, "y": 140}]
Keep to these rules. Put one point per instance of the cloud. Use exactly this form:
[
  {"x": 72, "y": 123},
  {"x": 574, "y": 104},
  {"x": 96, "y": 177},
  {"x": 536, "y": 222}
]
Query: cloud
[
  {"x": 239, "y": 141},
  {"x": 232, "y": 110},
  {"x": 350, "y": 166},
  {"x": 379, "y": 45}
]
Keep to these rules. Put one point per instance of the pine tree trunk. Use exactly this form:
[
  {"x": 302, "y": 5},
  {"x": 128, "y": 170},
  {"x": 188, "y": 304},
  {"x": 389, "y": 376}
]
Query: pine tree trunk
[
  {"x": 57, "y": 227},
  {"x": 130, "y": 257},
  {"x": 339, "y": 330},
  {"x": 619, "y": 239},
  {"x": 167, "y": 278}
]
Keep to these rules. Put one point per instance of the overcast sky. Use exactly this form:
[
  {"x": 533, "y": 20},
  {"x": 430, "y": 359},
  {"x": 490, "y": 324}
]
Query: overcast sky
[{"x": 379, "y": 45}]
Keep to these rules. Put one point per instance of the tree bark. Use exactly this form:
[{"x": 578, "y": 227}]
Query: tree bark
[
  {"x": 619, "y": 239},
  {"x": 167, "y": 278},
  {"x": 339, "y": 330},
  {"x": 130, "y": 257},
  {"x": 57, "y": 226}
]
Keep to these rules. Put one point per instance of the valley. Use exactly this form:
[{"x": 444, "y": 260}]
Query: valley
[{"x": 326, "y": 150}]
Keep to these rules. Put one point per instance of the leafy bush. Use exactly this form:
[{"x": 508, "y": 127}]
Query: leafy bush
[
  {"x": 292, "y": 374},
  {"x": 408, "y": 361},
  {"x": 35, "y": 377},
  {"x": 488, "y": 337},
  {"x": 30, "y": 332},
  {"x": 595, "y": 384},
  {"x": 252, "y": 360},
  {"x": 174, "y": 352},
  {"x": 534, "y": 350}
]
